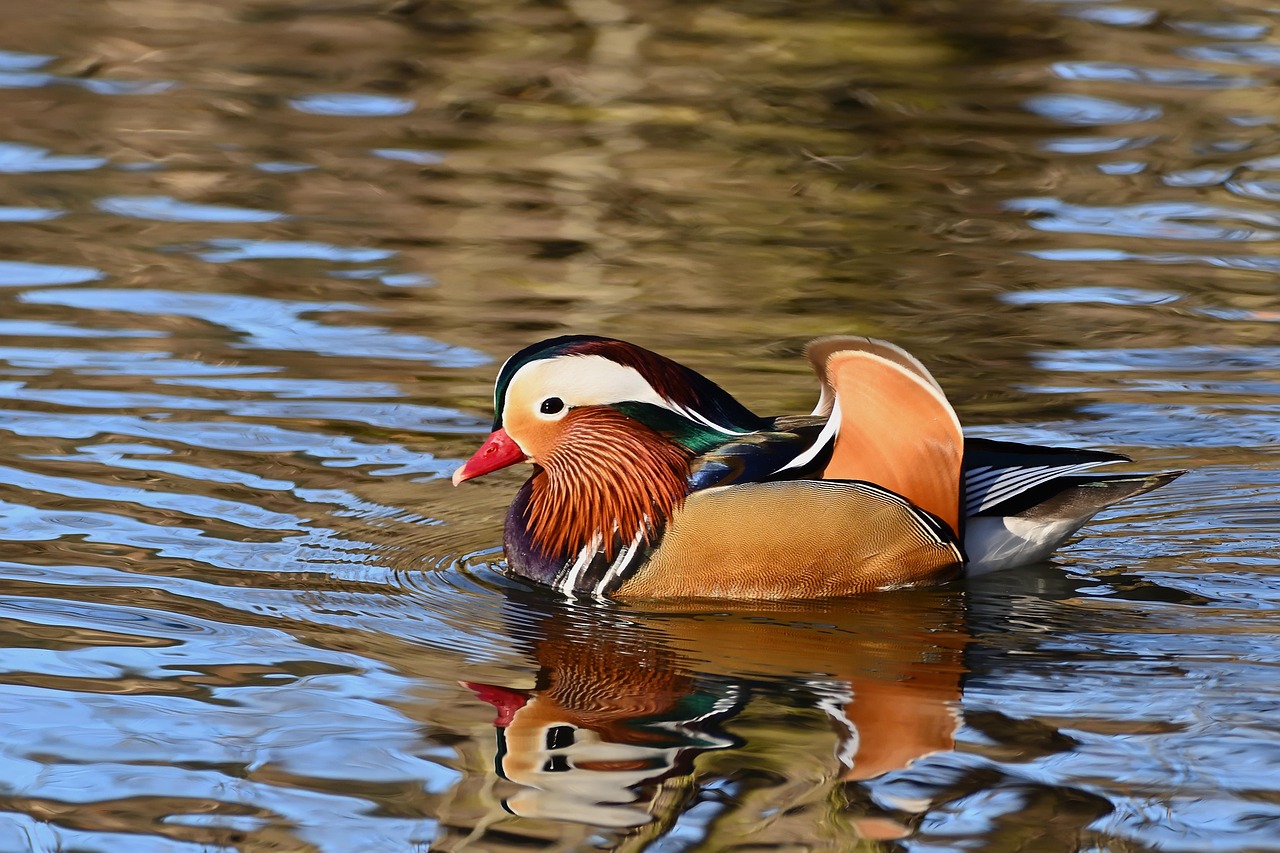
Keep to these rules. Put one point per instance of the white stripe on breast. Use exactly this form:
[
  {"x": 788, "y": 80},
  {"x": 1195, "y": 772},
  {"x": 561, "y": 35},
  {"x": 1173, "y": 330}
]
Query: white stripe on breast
[
  {"x": 585, "y": 556},
  {"x": 620, "y": 564}
]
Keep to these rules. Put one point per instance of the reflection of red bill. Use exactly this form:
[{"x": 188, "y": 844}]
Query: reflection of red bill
[{"x": 504, "y": 700}]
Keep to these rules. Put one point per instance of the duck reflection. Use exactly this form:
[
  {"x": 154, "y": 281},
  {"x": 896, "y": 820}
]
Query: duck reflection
[
  {"x": 630, "y": 709},
  {"x": 587, "y": 743}
]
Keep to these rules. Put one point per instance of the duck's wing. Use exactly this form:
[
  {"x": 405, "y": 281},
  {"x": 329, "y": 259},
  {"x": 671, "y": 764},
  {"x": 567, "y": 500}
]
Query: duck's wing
[
  {"x": 888, "y": 423},
  {"x": 1023, "y": 501},
  {"x": 720, "y": 458},
  {"x": 1000, "y": 476},
  {"x": 819, "y": 350},
  {"x": 762, "y": 456}
]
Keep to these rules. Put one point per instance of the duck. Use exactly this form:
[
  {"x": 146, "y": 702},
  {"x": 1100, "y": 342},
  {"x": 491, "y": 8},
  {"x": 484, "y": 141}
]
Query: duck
[{"x": 649, "y": 481}]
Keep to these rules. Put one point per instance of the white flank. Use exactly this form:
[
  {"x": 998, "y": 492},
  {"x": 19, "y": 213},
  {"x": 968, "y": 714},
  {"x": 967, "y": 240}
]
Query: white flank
[{"x": 993, "y": 542}]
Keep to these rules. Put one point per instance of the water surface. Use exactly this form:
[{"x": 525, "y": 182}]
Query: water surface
[{"x": 260, "y": 264}]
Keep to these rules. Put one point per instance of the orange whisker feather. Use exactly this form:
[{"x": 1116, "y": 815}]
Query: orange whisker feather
[{"x": 608, "y": 474}]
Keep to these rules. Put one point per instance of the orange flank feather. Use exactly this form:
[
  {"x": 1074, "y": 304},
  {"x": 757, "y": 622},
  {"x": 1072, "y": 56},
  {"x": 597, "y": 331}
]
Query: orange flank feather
[
  {"x": 606, "y": 473},
  {"x": 895, "y": 428}
]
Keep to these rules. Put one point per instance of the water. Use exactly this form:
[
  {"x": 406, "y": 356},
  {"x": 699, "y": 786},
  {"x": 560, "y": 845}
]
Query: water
[{"x": 260, "y": 264}]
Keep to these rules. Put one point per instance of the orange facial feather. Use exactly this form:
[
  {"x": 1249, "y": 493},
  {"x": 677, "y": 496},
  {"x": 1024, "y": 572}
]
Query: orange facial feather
[{"x": 606, "y": 474}]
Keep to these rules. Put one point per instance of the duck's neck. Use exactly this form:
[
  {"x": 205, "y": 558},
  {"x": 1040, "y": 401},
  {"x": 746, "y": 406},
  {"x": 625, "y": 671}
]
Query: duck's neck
[{"x": 610, "y": 481}]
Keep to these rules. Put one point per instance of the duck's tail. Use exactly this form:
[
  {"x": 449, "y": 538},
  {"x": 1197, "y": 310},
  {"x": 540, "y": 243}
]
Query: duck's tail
[{"x": 1023, "y": 501}]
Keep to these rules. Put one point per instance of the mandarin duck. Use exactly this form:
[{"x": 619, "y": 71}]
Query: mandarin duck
[{"x": 651, "y": 481}]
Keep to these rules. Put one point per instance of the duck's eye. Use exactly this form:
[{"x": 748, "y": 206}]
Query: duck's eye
[{"x": 551, "y": 406}]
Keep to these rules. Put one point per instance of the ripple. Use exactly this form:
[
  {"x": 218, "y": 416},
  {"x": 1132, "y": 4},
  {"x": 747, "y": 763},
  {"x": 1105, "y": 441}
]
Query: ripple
[
  {"x": 29, "y": 214},
  {"x": 1204, "y": 819},
  {"x": 54, "y": 329},
  {"x": 272, "y": 324},
  {"x": 1167, "y": 359},
  {"x": 283, "y": 167},
  {"x": 103, "y": 618},
  {"x": 16, "y": 158},
  {"x": 93, "y": 362},
  {"x": 297, "y": 389},
  {"x": 409, "y": 155},
  {"x": 1157, "y": 220},
  {"x": 298, "y": 400},
  {"x": 1241, "y": 54},
  {"x": 183, "y": 540},
  {"x": 1222, "y": 29},
  {"x": 24, "y": 273},
  {"x": 387, "y": 415},
  {"x": 168, "y": 209},
  {"x": 1258, "y": 263},
  {"x": 104, "y": 86},
  {"x": 1080, "y": 295},
  {"x": 331, "y": 450},
  {"x": 96, "y": 85},
  {"x": 1122, "y": 167},
  {"x": 1117, "y": 72},
  {"x": 407, "y": 279},
  {"x": 1088, "y": 110},
  {"x": 343, "y": 405},
  {"x": 1116, "y": 16},
  {"x": 120, "y": 498},
  {"x": 352, "y": 104},
  {"x": 1250, "y": 315},
  {"x": 229, "y": 250},
  {"x": 127, "y": 456},
  {"x": 12, "y": 60},
  {"x": 1200, "y": 177},
  {"x": 382, "y": 274},
  {"x": 24, "y": 80},
  {"x": 1268, "y": 190},
  {"x": 1095, "y": 144}
]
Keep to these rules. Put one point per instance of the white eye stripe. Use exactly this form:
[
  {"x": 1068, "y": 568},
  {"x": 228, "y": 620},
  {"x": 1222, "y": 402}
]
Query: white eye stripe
[
  {"x": 591, "y": 380},
  {"x": 580, "y": 380}
]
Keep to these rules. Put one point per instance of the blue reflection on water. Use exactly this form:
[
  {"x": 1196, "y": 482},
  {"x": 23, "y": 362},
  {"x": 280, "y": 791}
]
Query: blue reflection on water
[
  {"x": 352, "y": 104},
  {"x": 12, "y": 60},
  {"x": 229, "y": 250},
  {"x": 169, "y": 209},
  {"x": 29, "y": 214},
  {"x": 270, "y": 323},
  {"x": 16, "y": 158},
  {"x": 1089, "y": 110},
  {"x": 26, "y": 273}
]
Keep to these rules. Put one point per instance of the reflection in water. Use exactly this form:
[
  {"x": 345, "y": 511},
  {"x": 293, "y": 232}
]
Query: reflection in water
[
  {"x": 627, "y": 708},
  {"x": 259, "y": 259}
]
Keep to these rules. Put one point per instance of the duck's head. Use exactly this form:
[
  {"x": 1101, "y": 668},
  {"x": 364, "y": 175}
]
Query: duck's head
[
  {"x": 562, "y": 390},
  {"x": 610, "y": 428}
]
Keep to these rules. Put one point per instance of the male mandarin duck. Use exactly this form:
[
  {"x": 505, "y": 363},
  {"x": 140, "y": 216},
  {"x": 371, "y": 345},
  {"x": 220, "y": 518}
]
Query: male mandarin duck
[{"x": 651, "y": 481}]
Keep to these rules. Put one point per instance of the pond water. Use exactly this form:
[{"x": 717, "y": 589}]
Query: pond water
[{"x": 260, "y": 264}]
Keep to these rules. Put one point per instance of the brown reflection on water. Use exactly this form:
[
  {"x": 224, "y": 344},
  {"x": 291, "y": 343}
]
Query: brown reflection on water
[
  {"x": 634, "y": 719},
  {"x": 715, "y": 182}
]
